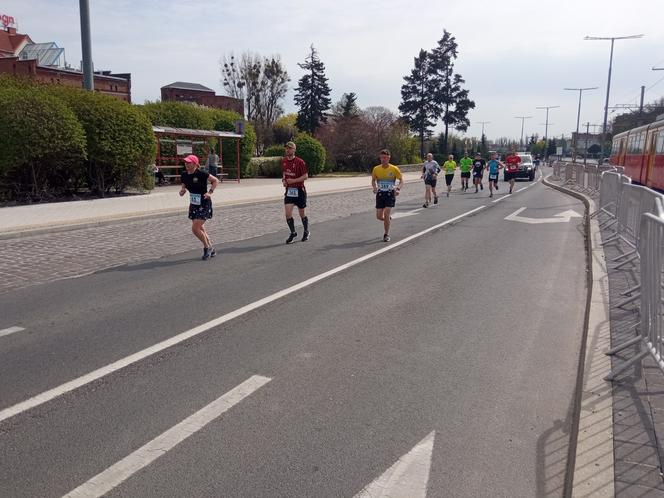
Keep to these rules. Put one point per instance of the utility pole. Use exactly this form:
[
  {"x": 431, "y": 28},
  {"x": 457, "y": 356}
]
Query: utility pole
[
  {"x": 643, "y": 92},
  {"x": 522, "y": 118},
  {"x": 608, "y": 84},
  {"x": 86, "y": 45},
  {"x": 578, "y": 117},
  {"x": 585, "y": 154},
  {"x": 546, "y": 127}
]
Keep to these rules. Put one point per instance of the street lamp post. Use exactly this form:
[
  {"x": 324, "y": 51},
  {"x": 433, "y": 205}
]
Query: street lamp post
[
  {"x": 86, "y": 45},
  {"x": 578, "y": 117},
  {"x": 522, "y": 118},
  {"x": 608, "y": 84},
  {"x": 546, "y": 128}
]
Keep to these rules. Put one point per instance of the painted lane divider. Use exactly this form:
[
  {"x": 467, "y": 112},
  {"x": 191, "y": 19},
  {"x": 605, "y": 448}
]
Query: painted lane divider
[
  {"x": 115, "y": 475},
  {"x": 10, "y": 330},
  {"x": 83, "y": 380},
  {"x": 404, "y": 214},
  {"x": 408, "y": 477}
]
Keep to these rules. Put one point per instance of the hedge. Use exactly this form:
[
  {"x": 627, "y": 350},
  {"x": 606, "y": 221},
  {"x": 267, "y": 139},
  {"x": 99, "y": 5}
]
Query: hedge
[
  {"x": 120, "y": 141},
  {"x": 265, "y": 166},
  {"x": 312, "y": 152},
  {"x": 42, "y": 142},
  {"x": 274, "y": 151}
]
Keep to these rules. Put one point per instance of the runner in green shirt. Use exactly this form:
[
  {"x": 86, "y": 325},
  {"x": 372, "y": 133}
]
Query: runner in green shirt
[
  {"x": 449, "y": 166},
  {"x": 465, "y": 166}
]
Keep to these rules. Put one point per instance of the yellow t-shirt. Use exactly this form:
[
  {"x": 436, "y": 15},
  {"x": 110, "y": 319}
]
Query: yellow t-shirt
[
  {"x": 386, "y": 177},
  {"x": 449, "y": 167}
]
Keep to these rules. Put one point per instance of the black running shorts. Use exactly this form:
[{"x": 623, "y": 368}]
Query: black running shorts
[
  {"x": 300, "y": 200},
  {"x": 385, "y": 199}
]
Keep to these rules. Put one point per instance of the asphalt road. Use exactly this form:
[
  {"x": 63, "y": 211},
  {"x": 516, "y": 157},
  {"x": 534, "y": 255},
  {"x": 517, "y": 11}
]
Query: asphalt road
[{"x": 470, "y": 332}]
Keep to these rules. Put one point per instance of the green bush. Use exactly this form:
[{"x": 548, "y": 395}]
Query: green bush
[
  {"x": 265, "y": 166},
  {"x": 312, "y": 152},
  {"x": 120, "y": 141},
  {"x": 42, "y": 143},
  {"x": 274, "y": 151},
  {"x": 178, "y": 115}
]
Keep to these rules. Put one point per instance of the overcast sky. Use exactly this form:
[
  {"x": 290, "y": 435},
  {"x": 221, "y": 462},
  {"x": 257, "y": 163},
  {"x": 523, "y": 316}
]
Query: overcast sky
[{"x": 515, "y": 55}]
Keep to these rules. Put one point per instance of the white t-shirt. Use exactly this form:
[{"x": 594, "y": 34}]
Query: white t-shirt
[{"x": 430, "y": 168}]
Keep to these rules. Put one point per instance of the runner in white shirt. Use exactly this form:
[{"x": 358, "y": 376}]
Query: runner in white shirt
[{"x": 430, "y": 170}]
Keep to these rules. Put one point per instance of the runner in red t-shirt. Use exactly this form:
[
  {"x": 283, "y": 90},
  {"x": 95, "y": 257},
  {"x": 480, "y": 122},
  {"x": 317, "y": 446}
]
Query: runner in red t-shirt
[
  {"x": 511, "y": 168},
  {"x": 294, "y": 173}
]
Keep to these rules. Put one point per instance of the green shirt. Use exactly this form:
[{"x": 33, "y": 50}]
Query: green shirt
[
  {"x": 449, "y": 167},
  {"x": 465, "y": 164}
]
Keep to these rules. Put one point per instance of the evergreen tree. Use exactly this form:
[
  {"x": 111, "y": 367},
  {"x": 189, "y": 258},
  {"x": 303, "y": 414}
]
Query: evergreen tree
[
  {"x": 347, "y": 106},
  {"x": 312, "y": 95},
  {"x": 451, "y": 100},
  {"x": 417, "y": 98}
]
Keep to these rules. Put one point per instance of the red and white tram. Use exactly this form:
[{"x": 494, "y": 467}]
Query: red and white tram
[{"x": 641, "y": 152}]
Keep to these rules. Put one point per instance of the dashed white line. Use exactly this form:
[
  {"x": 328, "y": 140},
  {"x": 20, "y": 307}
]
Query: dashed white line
[
  {"x": 112, "y": 477},
  {"x": 10, "y": 330}
]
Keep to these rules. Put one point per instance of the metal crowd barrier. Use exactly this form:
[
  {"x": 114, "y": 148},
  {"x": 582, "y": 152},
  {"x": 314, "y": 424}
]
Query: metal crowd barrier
[{"x": 651, "y": 249}]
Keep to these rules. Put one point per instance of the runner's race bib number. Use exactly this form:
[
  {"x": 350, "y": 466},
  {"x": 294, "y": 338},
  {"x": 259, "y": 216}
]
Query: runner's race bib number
[
  {"x": 493, "y": 177},
  {"x": 292, "y": 192},
  {"x": 195, "y": 199},
  {"x": 385, "y": 186}
]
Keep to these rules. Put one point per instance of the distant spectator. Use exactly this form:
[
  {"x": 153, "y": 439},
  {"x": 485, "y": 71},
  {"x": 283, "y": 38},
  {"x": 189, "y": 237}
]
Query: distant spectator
[
  {"x": 158, "y": 175},
  {"x": 212, "y": 162}
]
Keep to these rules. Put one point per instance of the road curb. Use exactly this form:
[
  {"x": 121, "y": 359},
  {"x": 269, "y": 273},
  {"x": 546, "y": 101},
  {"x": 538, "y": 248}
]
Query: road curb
[{"x": 590, "y": 470}]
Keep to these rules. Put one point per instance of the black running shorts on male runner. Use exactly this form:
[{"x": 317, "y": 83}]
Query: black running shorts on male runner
[
  {"x": 465, "y": 174},
  {"x": 448, "y": 179},
  {"x": 300, "y": 200},
  {"x": 509, "y": 176},
  {"x": 429, "y": 180},
  {"x": 385, "y": 200}
]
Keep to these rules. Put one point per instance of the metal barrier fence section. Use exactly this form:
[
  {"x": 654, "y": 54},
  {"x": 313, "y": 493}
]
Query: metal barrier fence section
[{"x": 634, "y": 216}]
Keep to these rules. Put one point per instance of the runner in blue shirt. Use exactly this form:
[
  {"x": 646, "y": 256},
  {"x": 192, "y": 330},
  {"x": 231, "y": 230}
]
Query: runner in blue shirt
[{"x": 493, "y": 166}]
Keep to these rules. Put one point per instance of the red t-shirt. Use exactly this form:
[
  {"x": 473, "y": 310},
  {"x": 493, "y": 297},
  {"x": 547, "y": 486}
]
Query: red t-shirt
[
  {"x": 294, "y": 168},
  {"x": 512, "y": 163}
]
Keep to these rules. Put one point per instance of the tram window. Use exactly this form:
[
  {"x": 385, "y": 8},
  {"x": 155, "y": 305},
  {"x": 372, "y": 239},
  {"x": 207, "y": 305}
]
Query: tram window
[{"x": 660, "y": 142}]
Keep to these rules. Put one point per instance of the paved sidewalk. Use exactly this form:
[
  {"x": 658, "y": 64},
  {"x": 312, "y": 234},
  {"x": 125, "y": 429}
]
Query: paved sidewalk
[
  {"x": 162, "y": 200},
  {"x": 632, "y": 405}
]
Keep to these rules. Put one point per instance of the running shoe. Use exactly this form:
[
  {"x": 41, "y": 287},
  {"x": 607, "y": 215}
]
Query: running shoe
[
  {"x": 490, "y": 195},
  {"x": 481, "y": 187},
  {"x": 305, "y": 236},
  {"x": 206, "y": 254},
  {"x": 213, "y": 253},
  {"x": 476, "y": 190},
  {"x": 435, "y": 200},
  {"x": 386, "y": 238},
  {"x": 425, "y": 205},
  {"x": 510, "y": 190},
  {"x": 448, "y": 194},
  {"x": 291, "y": 237}
]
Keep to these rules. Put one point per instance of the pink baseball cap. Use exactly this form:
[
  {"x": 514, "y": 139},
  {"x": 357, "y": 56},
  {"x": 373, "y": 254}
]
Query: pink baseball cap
[{"x": 191, "y": 158}]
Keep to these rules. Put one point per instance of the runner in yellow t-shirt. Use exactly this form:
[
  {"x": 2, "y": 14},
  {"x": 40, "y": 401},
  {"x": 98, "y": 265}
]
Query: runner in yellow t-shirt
[
  {"x": 384, "y": 179},
  {"x": 449, "y": 166}
]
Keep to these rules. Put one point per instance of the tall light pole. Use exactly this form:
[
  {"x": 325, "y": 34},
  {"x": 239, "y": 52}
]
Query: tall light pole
[
  {"x": 608, "y": 84},
  {"x": 86, "y": 45},
  {"x": 483, "y": 123},
  {"x": 578, "y": 117},
  {"x": 522, "y": 118},
  {"x": 546, "y": 127}
]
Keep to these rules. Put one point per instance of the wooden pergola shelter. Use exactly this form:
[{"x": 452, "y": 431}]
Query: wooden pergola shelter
[{"x": 185, "y": 141}]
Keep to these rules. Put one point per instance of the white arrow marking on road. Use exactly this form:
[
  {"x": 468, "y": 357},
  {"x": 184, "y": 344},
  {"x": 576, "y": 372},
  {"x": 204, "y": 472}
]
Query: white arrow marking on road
[
  {"x": 563, "y": 217},
  {"x": 406, "y": 213},
  {"x": 102, "y": 483},
  {"x": 10, "y": 330},
  {"x": 408, "y": 477}
]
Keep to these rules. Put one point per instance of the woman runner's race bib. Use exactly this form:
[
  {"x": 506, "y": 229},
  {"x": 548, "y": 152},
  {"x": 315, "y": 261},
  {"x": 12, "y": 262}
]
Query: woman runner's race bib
[
  {"x": 195, "y": 199},
  {"x": 292, "y": 192}
]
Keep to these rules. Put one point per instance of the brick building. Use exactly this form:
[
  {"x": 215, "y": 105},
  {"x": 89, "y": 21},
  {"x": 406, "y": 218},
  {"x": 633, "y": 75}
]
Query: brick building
[
  {"x": 181, "y": 91},
  {"x": 19, "y": 55}
]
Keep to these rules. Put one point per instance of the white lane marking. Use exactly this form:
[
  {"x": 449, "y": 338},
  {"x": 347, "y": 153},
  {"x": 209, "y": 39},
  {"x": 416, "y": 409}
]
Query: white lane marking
[
  {"x": 403, "y": 214},
  {"x": 408, "y": 477},
  {"x": 113, "y": 476},
  {"x": 563, "y": 217},
  {"x": 140, "y": 355},
  {"x": 10, "y": 330},
  {"x": 501, "y": 198}
]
